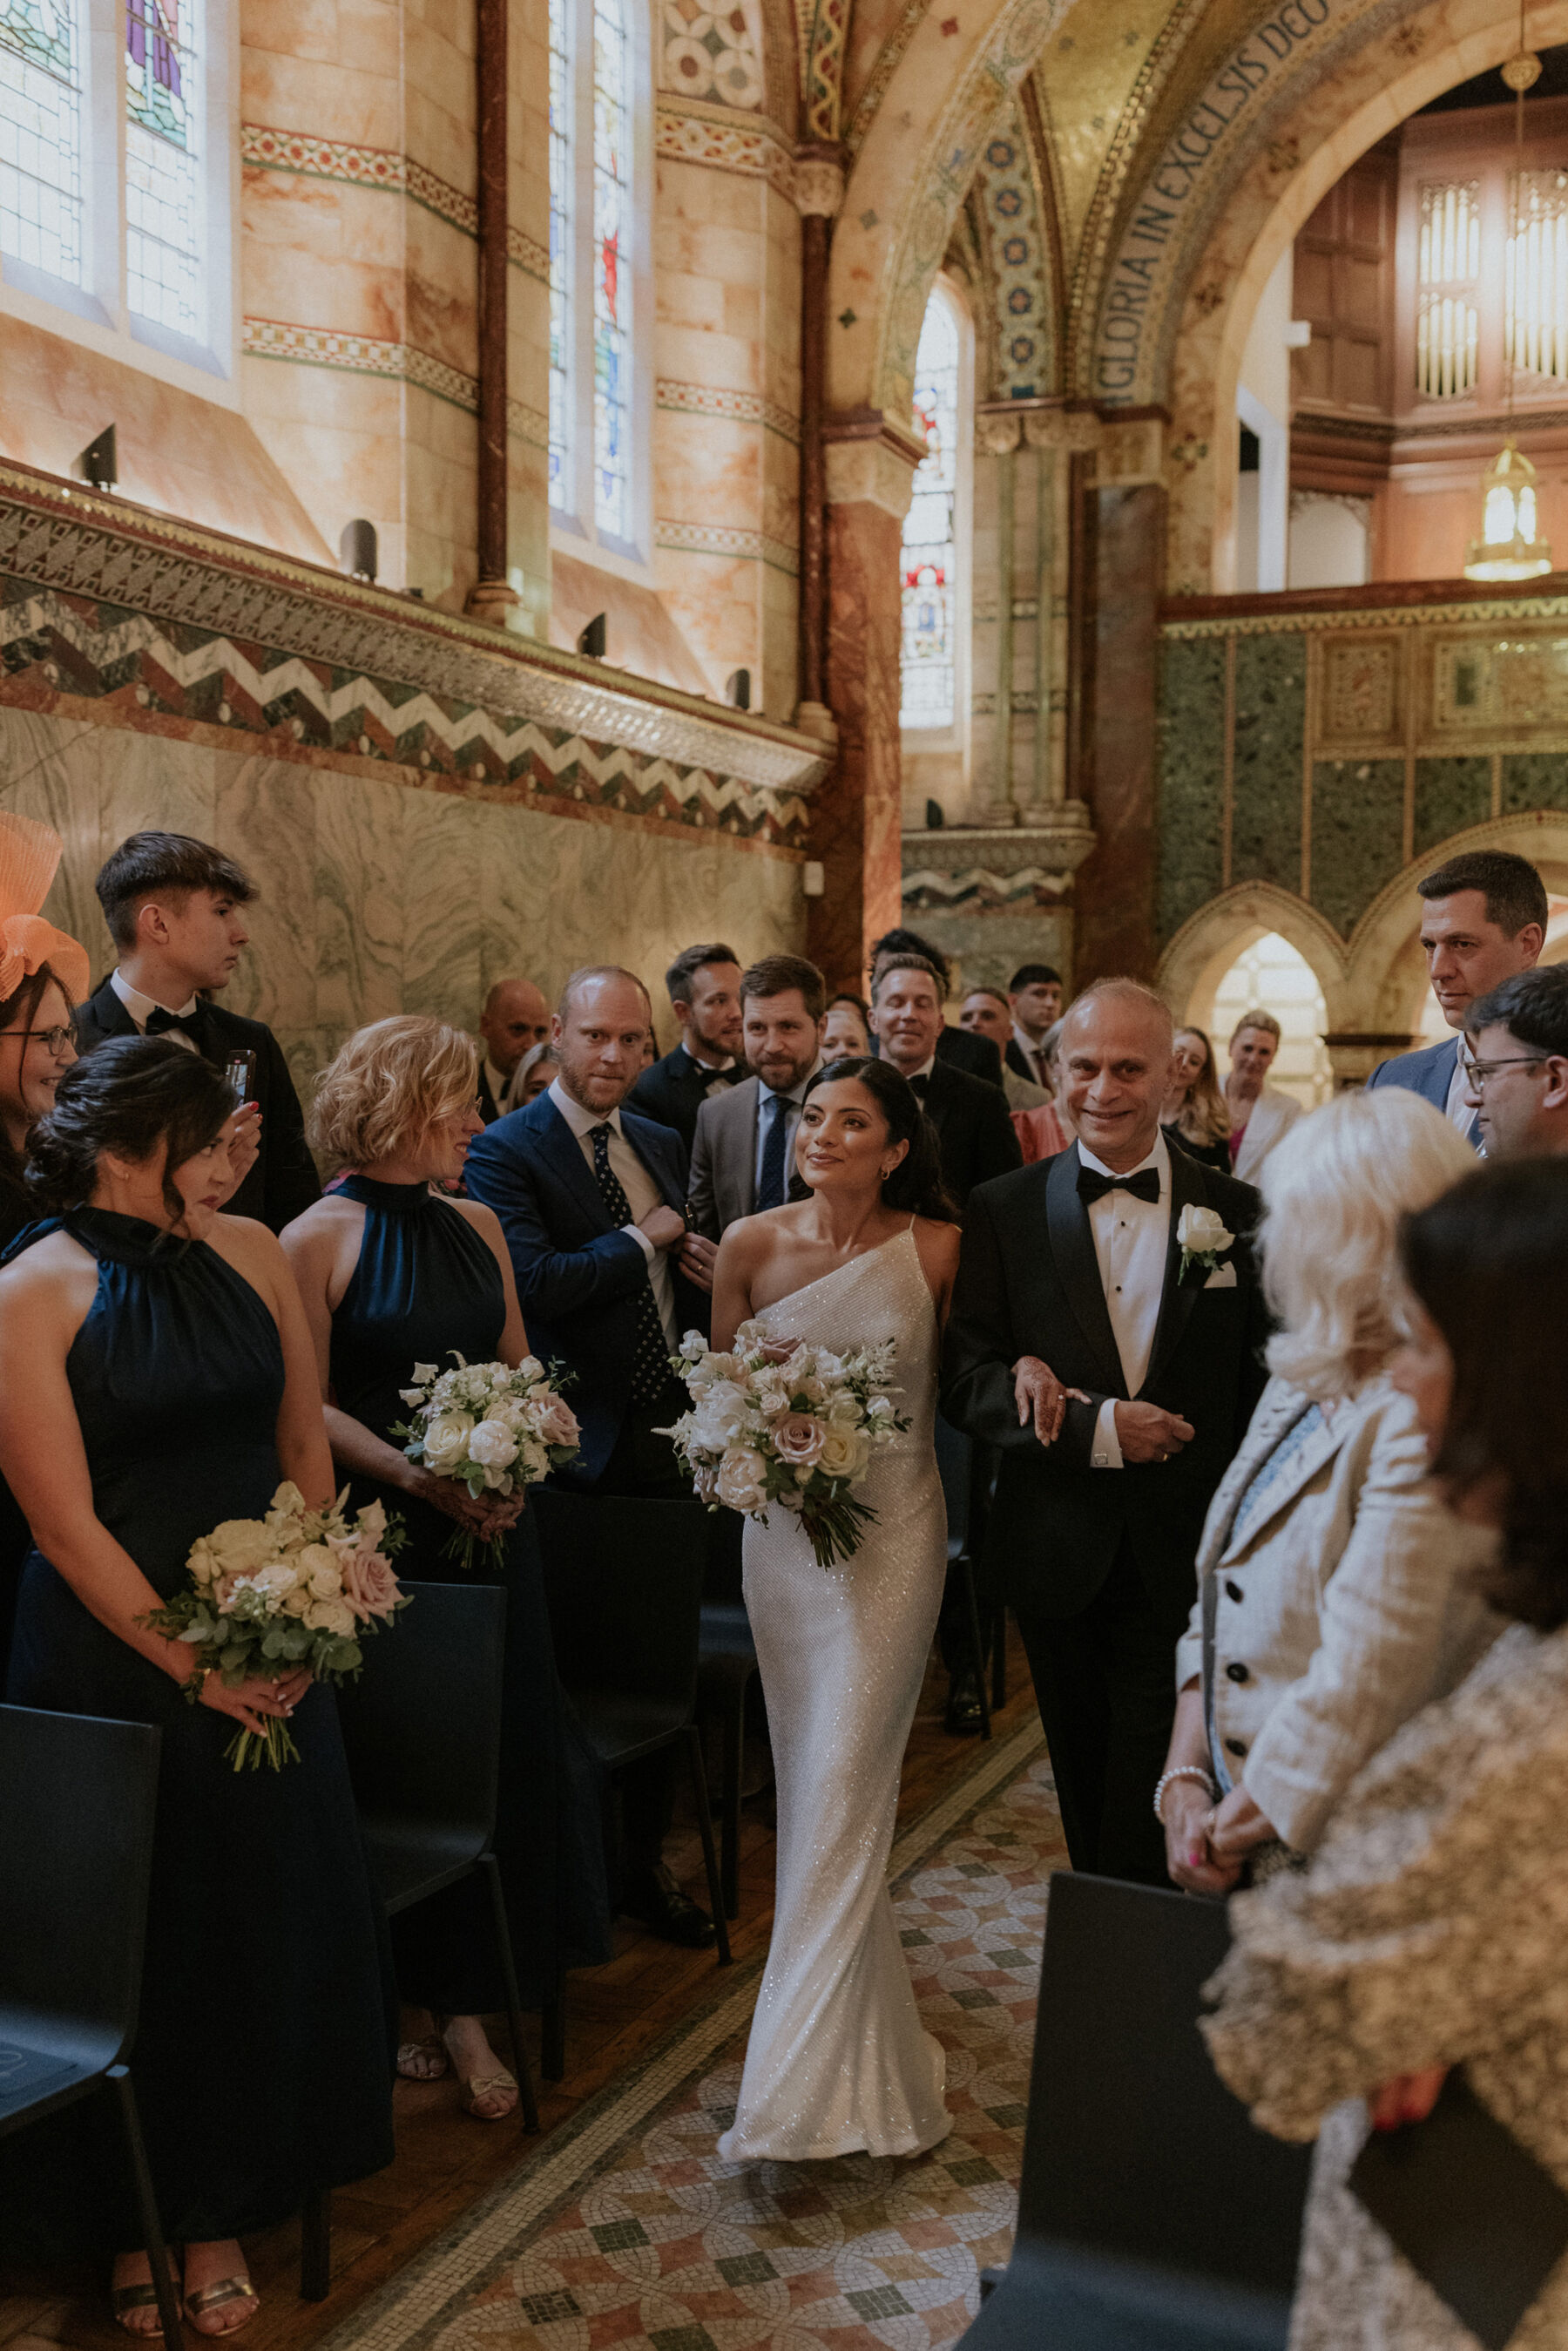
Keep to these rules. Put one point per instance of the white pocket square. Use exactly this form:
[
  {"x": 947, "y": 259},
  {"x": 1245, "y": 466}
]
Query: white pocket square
[{"x": 1222, "y": 1278}]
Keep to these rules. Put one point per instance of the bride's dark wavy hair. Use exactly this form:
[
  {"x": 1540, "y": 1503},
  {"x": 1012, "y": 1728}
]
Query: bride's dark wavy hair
[
  {"x": 128, "y": 1095},
  {"x": 1488, "y": 1261},
  {"x": 915, "y": 1184}
]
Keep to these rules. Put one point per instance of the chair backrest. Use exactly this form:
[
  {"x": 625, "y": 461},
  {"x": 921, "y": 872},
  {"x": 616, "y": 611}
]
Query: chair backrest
[
  {"x": 75, "y": 1853},
  {"x": 955, "y": 1453},
  {"x": 624, "y": 1580},
  {"x": 422, "y": 1726},
  {"x": 1134, "y": 2148}
]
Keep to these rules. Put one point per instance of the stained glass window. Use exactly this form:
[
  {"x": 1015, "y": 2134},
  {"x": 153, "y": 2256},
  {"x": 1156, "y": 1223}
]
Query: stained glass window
[
  {"x": 930, "y": 548},
  {"x": 612, "y": 280},
  {"x": 162, "y": 183},
  {"x": 41, "y": 136},
  {"x": 560, "y": 254}
]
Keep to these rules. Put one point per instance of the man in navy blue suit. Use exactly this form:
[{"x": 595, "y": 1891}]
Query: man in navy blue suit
[
  {"x": 1484, "y": 919},
  {"x": 592, "y": 1198}
]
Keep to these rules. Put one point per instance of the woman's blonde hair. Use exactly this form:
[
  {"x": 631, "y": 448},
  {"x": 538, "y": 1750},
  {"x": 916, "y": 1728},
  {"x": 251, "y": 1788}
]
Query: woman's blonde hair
[
  {"x": 1203, "y": 1117},
  {"x": 388, "y": 1086},
  {"x": 1335, "y": 1193}
]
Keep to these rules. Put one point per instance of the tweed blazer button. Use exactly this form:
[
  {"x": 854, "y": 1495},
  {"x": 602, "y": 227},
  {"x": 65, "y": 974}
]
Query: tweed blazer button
[
  {"x": 1236, "y": 1673},
  {"x": 1233, "y": 1589}
]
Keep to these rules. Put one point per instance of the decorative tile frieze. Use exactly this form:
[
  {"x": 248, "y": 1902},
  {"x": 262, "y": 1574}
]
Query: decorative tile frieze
[
  {"x": 526, "y": 254},
  {"x": 101, "y": 601},
  {"x": 976, "y": 889},
  {"x": 745, "y": 407},
  {"x": 711, "y": 54},
  {"x": 274, "y": 339},
  {"x": 888, "y": 58},
  {"x": 382, "y": 168},
  {"x": 718, "y": 538},
  {"x": 1465, "y": 613},
  {"x": 530, "y": 425},
  {"x": 723, "y": 141},
  {"x": 1361, "y": 682}
]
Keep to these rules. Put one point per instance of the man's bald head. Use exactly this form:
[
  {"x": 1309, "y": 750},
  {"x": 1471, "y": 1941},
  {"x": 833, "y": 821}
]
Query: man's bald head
[
  {"x": 515, "y": 1017},
  {"x": 1115, "y": 1055}
]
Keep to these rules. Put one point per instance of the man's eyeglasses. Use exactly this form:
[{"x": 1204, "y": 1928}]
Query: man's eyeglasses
[
  {"x": 56, "y": 1041},
  {"x": 1477, "y": 1073}
]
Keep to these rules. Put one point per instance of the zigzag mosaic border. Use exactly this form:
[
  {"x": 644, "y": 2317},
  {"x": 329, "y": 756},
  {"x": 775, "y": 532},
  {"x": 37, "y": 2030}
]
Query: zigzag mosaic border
[
  {"x": 103, "y": 588},
  {"x": 975, "y": 889},
  {"x": 382, "y": 168},
  {"x": 743, "y": 407}
]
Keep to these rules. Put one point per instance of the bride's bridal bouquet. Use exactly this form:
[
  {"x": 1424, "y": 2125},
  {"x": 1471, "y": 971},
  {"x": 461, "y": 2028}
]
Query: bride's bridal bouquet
[
  {"x": 783, "y": 1421},
  {"x": 299, "y": 1587},
  {"x": 489, "y": 1428}
]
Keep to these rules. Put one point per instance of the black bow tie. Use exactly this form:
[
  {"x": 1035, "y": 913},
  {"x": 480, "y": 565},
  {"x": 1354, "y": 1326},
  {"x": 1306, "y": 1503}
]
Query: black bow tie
[
  {"x": 1144, "y": 1185},
  {"x": 188, "y": 1023}
]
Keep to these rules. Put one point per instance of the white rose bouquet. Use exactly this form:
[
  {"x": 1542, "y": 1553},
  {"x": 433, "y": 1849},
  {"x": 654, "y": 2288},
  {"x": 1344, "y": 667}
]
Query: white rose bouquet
[
  {"x": 490, "y": 1428},
  {"x": 298, "y": 1588},
  {"x": 787, "y": 1423}
]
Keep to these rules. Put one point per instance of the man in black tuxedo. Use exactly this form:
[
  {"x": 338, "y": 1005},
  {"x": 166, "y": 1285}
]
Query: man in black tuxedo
[
  {"x": 173, "y": 909},
  {"x": 1115, "y": 1370},
  {"x": 592, "y": 1200},
  {"x": 975, "y": 1133},
  {"x": 977, "y": 1055},
  {"x": 1034, "y": 999},
  {"x": 514, "y": 1020},
  {"x": 704, "y": 985}
]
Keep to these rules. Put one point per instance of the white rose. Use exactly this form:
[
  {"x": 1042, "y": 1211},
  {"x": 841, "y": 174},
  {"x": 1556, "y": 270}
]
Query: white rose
[
  {"x": 1201, "y": 1230},
  {"x": 530, "y": 1368},
  {"x": 844, "y": 1452},
  {"x": 843, "y": 1411},
  {"x": 330, "y": 1616},
  {"x": 739, "y": 1483},
  {"x": 446, "y": 1439},
  {"x": 318, "y": 1570},
  {"x": 493, "y": 1445}
]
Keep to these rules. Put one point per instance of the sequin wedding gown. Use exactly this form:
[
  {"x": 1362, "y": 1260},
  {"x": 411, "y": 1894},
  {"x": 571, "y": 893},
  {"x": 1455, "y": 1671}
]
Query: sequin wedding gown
[{"x": 837, "y": 2059}]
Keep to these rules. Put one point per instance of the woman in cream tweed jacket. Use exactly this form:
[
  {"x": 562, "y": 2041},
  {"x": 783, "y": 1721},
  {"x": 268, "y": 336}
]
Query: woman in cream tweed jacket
[{"x": 1335, "y": 1588}]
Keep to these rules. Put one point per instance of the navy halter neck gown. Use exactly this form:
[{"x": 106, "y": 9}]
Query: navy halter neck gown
[
  {"x": 428, "y": 1283},
  {"x": 263, "y": 2056}
]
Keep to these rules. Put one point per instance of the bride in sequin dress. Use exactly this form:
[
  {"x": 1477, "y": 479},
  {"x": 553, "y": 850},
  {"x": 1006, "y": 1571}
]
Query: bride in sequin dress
[{"x": 838, "y": 2060}]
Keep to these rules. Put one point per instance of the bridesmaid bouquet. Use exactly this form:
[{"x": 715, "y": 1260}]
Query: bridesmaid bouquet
[
  {"x": 299, "y": 1587},
  {"x": 490, "y": 1428},
  {"x": 780, "y": 1421}
]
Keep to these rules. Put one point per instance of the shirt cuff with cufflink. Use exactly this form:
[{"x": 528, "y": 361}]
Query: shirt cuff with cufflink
[{"x": 1106, "y": 1451}]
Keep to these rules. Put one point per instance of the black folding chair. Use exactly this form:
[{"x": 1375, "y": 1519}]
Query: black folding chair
[
  {"x": 76, "y": 1854},
  {"x": 422, "y": 1726},
  {"x": 1152, "y": 2216},
  {"x": 955, "y": 1460},
  {"x": 624, "y": 1580},
  {"x": 726, "y": 1668}
]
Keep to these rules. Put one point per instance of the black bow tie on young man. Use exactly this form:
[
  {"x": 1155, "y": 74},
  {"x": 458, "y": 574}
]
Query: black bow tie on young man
[
  {"x": 1144, "y": 1184},
  {"x": 190, "y": 1024}
]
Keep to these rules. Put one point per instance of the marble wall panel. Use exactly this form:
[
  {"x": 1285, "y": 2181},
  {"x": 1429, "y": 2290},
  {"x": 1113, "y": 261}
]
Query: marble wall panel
[
  {"x": 1535, "y": 780},
  {"x": 441, "y": 922},
  {"x": 1192, "y": 774},
  {"x": 1449, "y": 795},
  {"x": 359, "y": 889},
  {"x": 1357, "y": 834},
  {"x": 266, "y": 819},
  {"x": 1271, "y": 719}
]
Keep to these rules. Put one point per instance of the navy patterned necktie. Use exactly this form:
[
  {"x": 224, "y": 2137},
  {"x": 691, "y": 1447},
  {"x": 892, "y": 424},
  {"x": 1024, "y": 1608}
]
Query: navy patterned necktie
[
  {"x": 650, "y": 1357},
  {"x": 771, "y": 1190}
]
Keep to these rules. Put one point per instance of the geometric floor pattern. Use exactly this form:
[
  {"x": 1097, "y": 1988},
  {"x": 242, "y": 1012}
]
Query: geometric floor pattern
[{"x": 666, "y": 2248}]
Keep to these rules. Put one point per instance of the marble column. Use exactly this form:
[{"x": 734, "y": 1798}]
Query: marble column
[
  {"x": 818, "y": 193},
  {"x": 855, "y": 824},
  {"x": 1121, "y": 534},
  {"x": 999, "y": 436}
]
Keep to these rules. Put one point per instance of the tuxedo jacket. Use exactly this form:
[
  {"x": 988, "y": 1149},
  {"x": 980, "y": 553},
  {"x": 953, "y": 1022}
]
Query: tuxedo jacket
[
  {"x": 579, "y": 1275},
  {"x": 489, "y": 1108},
  {"x": 1018, "y": 1064},
  {"x": 975, "y": 1133},
  {"x": 1028, "y": 1284},
  {"x": 977, "y": 1056},
  {"x": 283, "y": 1183},
  {"x": 674, "y": 1090},
  {"x": 1428, "y": 1073}
]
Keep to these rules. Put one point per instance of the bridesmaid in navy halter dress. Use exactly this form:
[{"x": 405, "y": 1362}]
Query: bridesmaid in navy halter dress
[
  {"x": 393, "y": 1273},
  {"x": 157, "y": 1377}
]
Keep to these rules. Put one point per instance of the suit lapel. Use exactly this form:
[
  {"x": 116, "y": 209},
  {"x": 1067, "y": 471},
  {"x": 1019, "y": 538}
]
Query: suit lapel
[
  {"x": 1308, "y": 1458},
  {"x": 1281, "y": 1408},
  {"x": 651, "y": 1153},
  {"x": 563, "y": 1153},
  {"x": 1177, "y": 1297},
  {"x": 110, "y": 1013},
  {"x": 1077, "y": 1266}
]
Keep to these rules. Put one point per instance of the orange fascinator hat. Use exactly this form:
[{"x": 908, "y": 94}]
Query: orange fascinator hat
[{"x": 29, "y": 854}]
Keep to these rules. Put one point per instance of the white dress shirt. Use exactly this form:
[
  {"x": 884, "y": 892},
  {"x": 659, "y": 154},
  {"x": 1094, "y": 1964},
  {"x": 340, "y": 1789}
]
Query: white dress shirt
[
  {"x": 795, "y": 1097},
  {"x": 641, "y": 1192},
  {"x": 142, "y": 1008},
  {"x": 499, "y": 1083},
  {"x": 1132, "y": 1241}
]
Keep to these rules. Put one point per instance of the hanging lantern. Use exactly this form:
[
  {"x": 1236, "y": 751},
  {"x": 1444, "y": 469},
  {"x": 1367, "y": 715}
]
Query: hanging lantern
[{"x": 1508, "y": 547}]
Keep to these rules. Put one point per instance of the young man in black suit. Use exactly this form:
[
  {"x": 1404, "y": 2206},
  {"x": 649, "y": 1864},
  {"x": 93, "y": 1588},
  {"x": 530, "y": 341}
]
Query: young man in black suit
[
  {"x": 975, "y": 1133},
  {"x": 704, "y": 985},
  {"x": 977, "y": 1055},
  {"x": 173, "y": 909},
  {"x": 1034, "y": 999},
  {"x": 1106, "y": 1336}
]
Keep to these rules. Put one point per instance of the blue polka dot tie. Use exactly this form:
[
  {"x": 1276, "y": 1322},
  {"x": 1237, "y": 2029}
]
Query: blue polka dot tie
[{"x": 650, "y": 1356}]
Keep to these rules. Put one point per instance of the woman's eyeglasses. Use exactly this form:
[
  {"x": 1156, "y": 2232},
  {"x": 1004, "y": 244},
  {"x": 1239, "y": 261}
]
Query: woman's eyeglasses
[{"x": 57, "y": 1041}]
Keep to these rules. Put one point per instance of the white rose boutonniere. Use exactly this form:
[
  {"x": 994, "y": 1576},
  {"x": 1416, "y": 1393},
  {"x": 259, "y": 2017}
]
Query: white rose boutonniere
[{"x": 1203, "y": 1238}]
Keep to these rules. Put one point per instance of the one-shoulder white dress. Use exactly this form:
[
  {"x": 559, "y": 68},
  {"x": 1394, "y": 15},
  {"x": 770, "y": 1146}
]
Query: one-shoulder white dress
[{"x": 838, "y": 2060}]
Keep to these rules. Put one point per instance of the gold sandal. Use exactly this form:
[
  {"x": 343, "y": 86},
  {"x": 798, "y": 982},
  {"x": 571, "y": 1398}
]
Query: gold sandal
[
  {"x": 215, "y": 2296},
  {"x": 431, "y": 2047},
  {"x": 485, "y": 2085},
  {"x": 124, "y": 2299}
]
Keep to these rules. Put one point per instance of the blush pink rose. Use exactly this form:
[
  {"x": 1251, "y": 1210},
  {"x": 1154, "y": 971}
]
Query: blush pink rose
[
  {"x": 798, "y": 1439},
  {"x": 369, "y": 1586}
]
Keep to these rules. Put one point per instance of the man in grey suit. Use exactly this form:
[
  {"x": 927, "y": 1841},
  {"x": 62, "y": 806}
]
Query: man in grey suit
[
  {"x": 1485, "y": 919},
  {"x": 743, "y": 1154}
]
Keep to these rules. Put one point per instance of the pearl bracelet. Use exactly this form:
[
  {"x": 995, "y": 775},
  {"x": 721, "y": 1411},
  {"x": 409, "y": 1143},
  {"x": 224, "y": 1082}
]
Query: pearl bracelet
[{"x": 1182, "y": 1772}]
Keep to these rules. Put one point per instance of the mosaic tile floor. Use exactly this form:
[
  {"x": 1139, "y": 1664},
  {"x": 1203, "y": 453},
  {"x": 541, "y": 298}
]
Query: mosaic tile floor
[{"x": 659, "y": 2243}]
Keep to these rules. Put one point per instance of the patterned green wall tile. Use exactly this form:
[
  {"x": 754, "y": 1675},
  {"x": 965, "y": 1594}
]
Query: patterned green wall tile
[
  {"x": 1357, "y": 834},
  {"x": 1191, "y": 772},
  {"x": 1450, "y": 794},
  {"x": 1535, "y": 780},
  {"x": 1270, "y": 717}
]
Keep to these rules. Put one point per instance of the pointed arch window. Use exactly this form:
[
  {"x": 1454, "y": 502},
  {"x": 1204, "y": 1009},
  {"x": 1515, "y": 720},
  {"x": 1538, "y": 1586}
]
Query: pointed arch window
[{"x": 936, "y": 527}]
